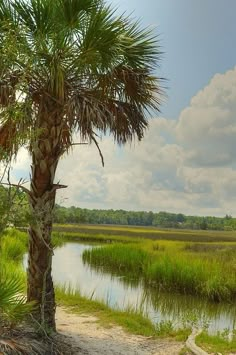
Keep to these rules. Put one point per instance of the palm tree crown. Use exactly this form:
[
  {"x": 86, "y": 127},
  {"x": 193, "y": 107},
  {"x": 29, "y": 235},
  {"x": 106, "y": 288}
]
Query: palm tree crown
[{"x": 79, "y": 64}]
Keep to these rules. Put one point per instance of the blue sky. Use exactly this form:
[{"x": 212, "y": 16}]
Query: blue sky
[
  {"x": 198, "y": 40},
  {"x": 186, "y": 162}
]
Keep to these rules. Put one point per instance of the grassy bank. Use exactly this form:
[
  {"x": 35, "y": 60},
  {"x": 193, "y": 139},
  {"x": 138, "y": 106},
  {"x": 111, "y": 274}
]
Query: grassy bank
[
  {"x": 219, "y": 343},
  {"x": 173, "y": 266},
  {"x": 131, "y": 319},
  {"x": 135, "y": 322}
]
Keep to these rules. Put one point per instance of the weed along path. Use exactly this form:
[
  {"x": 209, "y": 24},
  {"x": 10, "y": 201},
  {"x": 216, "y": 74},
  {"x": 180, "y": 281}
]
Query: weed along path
[{"x": 88, "y": 337}]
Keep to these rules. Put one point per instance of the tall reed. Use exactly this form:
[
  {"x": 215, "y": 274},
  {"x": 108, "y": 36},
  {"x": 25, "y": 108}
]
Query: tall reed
[{"x": 206, "y": 276}]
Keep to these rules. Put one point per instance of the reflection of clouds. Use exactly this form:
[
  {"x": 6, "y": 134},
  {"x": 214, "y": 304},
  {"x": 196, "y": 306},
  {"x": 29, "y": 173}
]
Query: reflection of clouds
[{"x": 68, "y": 269}]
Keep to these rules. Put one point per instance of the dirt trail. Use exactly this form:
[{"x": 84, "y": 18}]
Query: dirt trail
[{"x": 89, "y": 338}]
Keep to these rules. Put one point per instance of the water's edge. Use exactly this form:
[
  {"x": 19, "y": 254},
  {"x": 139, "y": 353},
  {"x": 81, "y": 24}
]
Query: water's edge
[{"x": 118, "y": 292}]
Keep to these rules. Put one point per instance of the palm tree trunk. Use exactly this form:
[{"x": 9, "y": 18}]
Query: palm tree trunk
[
  {"x": 40, "y": 285},
  {"x": 45, "y": 155}
]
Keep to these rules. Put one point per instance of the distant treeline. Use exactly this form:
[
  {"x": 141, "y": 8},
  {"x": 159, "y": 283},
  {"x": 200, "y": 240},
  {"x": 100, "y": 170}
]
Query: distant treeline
[
  {"x": 14, "y": 209},
  {"x": 161, "y": 219}
]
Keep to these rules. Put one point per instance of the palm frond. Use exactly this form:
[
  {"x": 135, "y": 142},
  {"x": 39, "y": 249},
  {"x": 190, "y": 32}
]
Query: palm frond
[
  {"x": 93, "y": 68},
  {"x": 13, "y": 306}
]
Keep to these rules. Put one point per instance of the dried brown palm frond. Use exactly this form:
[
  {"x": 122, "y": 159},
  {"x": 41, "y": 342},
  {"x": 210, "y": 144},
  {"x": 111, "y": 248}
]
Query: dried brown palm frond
[
  {"x": 11, "y": 346},
  {"x": 8, "y": 133},
  {"x": 24, "y": 346},
  {"x": 6, "y": 94},
  {"x": 24, "y": 341}
]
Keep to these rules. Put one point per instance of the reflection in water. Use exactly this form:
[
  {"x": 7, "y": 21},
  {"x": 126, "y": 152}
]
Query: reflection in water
[{"x": 120, "y": 292}]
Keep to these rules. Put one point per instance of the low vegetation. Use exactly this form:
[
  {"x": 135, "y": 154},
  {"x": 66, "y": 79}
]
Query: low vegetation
[
  {"x": 13, "y": 307},
  {"x": 131, "y": 319},
  {"x": 204, "y": 268},
  {"x": 125, "y": 233},
  {"x": 173, "y": 266},
  {"x": 223, "y": 343}
]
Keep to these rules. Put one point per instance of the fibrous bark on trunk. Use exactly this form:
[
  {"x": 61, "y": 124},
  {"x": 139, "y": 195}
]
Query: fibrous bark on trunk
[
  {"x": 45, "y": 151},
  {"x": 40, "y": 285}
]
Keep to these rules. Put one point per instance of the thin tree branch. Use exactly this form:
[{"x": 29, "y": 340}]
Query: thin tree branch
[
  {"x": 99, "y": 150},
  {"x": 18, "y": 186}
]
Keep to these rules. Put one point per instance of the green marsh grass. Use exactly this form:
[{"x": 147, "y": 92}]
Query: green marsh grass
[
  {"x": 171, "y": 268},
  {"x": 153, "y": 233},
  {"x": 187, "y": 264},
  {"x": 75, "y": 236},
  {"x": 122, "y": 258},
  {"x": 12, "y": 248}
]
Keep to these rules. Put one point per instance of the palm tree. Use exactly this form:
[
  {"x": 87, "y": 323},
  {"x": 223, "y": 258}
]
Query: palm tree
[{"x": 69, "y": 68}]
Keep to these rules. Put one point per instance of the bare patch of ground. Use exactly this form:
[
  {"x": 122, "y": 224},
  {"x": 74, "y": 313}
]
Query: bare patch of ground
[{"x": 87, "y": 337}]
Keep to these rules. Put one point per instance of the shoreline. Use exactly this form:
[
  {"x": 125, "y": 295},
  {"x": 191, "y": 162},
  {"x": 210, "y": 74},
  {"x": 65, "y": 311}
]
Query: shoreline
[{"x": 89, "y": 337}]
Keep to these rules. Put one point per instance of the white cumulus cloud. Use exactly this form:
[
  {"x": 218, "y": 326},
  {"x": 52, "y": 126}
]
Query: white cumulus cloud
[{"x": 187, "y": 165}]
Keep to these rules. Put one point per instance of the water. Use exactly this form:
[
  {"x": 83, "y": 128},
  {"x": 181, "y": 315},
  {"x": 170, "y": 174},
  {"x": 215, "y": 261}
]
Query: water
[{"x": 118, "y": 292}]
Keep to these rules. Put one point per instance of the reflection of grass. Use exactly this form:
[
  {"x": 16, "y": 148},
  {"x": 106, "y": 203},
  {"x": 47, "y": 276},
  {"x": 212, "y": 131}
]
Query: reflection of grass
[
  {"x": 217, "y": 343},
  {"x": 131, "y": 319},
  {"x": 144, "y": 253},
  {"x": 170, "y": 266}
]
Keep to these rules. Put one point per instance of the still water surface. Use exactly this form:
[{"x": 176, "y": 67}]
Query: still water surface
[{"x": 118, "y": 292}]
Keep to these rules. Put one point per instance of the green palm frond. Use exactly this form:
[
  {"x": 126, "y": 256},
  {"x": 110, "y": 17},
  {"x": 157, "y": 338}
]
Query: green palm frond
[
  {"x": 78, "y": 61},
  {"x": 13, "y": 306}
]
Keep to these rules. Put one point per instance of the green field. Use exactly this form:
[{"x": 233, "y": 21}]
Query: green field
[{"x": 147, "y": 233}]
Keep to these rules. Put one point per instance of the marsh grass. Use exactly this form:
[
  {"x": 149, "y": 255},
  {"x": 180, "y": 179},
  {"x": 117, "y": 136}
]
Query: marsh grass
[
  {"x": 212, "y": 277},
  {"x": 75, "y": 236},
  {"x": 58, "y": 240},
  {"x": 208, "y": 248},
  {"x": 12, "y": 249},
  {"x": 123, "y": 259},
  {"x": 13, "y": 245},
  {"x": 106, "y": 231},
  {"x": 204, "y": 269}
]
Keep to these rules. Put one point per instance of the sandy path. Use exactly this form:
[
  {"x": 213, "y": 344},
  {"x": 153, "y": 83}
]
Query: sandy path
[{"x": 89, "y": 338}]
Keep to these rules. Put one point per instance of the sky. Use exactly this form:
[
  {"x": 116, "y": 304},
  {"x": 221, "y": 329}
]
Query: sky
[{"x": 186, "y": 162}]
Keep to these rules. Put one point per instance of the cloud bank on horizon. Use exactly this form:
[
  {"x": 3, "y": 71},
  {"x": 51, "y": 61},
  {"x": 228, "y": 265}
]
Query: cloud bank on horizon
[{"x": 186, "y": 165}]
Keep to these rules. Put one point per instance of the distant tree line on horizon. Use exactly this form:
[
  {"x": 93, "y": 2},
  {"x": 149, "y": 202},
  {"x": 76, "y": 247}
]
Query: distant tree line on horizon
[
  {"x": 76, "y": 215},
  {"x": 18, "y": 214}
]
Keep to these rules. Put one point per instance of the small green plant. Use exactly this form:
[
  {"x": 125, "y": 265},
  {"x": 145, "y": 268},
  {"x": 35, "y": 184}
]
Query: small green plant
[
  {"x": 13, "y": 306},
  {"x": 164, "y": 327}
]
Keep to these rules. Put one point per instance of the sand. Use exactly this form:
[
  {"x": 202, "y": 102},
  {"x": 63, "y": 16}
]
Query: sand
[{"x": 88, "y": 337}]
